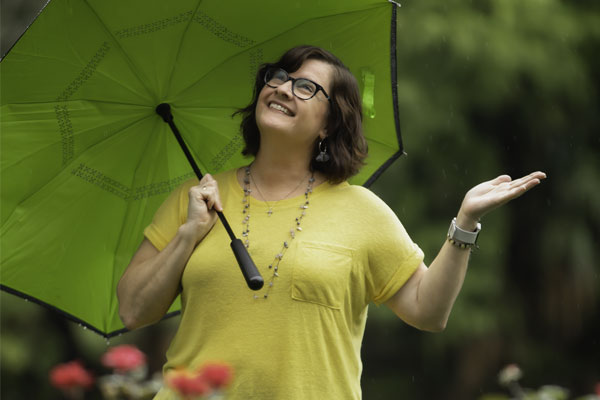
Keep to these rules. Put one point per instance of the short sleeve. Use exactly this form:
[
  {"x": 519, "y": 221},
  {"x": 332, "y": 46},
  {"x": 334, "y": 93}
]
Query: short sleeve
[
  {"x": 392, "y": 255},
  {"x": 169, "y": 217}
]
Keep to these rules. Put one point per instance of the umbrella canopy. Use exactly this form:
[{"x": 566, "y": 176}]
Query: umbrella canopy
[{"x": 86, "y": 161}]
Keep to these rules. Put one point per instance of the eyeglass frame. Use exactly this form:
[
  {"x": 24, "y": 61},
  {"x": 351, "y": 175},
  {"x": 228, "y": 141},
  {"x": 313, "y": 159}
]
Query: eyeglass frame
[{"x": 294, "y": 80}]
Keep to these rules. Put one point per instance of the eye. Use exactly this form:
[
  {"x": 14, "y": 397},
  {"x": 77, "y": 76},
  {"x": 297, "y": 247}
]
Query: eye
[
  {"x": 276, "y": 77},
  {"x": 280, "y": 74},
  {"x": 305, "y": 86}
]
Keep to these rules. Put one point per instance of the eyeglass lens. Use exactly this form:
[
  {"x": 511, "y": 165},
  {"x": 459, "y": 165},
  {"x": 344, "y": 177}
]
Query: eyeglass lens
[{"x": 302, "y": 88}]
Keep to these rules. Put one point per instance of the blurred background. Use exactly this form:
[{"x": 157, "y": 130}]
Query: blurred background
[{"x": 485, "y": 87}]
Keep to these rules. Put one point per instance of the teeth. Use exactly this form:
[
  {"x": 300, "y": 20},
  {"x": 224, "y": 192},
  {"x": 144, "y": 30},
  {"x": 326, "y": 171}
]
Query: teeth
[{"x": 280, "y": 108}]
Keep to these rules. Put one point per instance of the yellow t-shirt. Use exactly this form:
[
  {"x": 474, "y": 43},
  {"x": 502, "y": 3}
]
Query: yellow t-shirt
[{"x": 303, "y": 341}]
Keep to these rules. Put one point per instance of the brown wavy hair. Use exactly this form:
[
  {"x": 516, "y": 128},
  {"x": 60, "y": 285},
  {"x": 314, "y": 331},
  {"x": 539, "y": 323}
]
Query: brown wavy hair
[{"x": 345, "y": 141}]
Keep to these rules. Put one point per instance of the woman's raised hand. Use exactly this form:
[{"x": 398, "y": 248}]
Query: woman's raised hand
[
  {"x": 204, "y": 201},
  {"x": 489, "y": 195}
]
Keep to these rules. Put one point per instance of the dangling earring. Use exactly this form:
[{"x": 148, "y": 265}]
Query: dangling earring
[{"x": 322, "y": 156}]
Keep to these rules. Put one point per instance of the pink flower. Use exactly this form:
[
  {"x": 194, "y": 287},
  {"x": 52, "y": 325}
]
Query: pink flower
[
  {"x": 191, "y": 384},
  {"x": 124, "y": 358},
  {"x": 70, "y": 375},
  {"x": 217, "y": 375},
  {"x": 187, "y": 383}
]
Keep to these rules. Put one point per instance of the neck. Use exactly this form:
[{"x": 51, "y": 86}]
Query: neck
[
  {"x": 279, "y": 177},
  {"x": 277, "y": 169}
]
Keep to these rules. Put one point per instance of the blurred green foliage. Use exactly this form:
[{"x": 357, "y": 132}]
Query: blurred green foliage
[{"x": 485, "y": 87}]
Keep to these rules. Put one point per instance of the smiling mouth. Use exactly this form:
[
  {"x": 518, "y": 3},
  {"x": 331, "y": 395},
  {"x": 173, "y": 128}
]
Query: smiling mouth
[{"x": 281, "y": 108}]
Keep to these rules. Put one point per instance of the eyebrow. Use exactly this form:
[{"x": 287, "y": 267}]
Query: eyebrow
[{"x": 303, "y": 77}]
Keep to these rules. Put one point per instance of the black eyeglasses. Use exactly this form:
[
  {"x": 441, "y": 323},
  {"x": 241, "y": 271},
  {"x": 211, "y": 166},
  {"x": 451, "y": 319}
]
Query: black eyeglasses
[{"x": 302, "y": 88}]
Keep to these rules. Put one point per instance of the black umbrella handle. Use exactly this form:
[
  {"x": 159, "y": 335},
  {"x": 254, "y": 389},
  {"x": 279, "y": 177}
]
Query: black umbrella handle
[{"x": 253, "y": 278}]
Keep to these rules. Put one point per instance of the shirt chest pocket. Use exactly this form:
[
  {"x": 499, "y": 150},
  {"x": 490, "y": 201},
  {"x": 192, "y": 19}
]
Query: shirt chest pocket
[{"x": 321, "y": 273}]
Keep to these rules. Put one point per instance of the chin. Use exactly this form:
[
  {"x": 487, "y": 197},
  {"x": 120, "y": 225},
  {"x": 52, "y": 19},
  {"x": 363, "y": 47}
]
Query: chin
[{"x": 275, "y": 123}]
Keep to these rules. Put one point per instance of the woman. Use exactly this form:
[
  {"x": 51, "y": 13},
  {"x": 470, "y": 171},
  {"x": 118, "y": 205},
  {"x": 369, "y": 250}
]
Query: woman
[{"x": 325, "y": 248}]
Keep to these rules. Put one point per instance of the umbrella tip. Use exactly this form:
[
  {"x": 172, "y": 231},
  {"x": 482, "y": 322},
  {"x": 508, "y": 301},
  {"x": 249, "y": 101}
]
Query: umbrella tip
[{"x": 164, "y": 110}]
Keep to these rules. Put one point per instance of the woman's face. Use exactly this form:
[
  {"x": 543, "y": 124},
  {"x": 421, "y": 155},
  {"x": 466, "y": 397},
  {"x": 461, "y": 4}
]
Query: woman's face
[{"x": 282, "y": 115}]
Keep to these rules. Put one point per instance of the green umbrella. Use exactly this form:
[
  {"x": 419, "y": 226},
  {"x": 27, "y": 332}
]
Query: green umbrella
[{"x": 86, "y": 161}]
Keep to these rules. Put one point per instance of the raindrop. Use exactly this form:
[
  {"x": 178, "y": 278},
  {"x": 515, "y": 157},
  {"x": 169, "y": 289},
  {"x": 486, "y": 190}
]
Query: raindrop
[
  {"x": 85, "y": 328},
  {"x": 27, "y": 300}
]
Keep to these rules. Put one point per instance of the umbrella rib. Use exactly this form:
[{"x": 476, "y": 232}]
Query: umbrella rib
[
  {"x": 137, "y": 73},
  {"x": 183, "y": 35},
  {"x": 40, "y": 56},
  {"x": 53, "y": 102},
  {"x": 98, "y": 72},
  {"x": 123, "y": 227},
  {"x": 47, "y": 57},
  {"x": 72, "y": 162},
  {"x": 136, "y": 121},
  {"x": 266, "y": 40},
  {"x": 6, "y": 166}
]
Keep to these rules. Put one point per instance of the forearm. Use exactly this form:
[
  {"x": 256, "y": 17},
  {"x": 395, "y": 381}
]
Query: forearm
[
  {"x": 426, "y": 299},
  {"x": 148, "y": 287},
  {"x": 441, "y": 284}
]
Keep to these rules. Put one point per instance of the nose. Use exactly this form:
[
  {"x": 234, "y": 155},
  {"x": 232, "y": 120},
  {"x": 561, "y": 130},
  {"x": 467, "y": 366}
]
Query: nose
[{"x": 285, "y": 89}]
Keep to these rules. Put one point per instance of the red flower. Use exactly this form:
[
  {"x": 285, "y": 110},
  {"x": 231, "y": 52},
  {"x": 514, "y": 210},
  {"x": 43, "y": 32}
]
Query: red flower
[
  {"x": 187, "y": 383},
  {"x": 124, "y": 358},
  {"x": 70, "y": 375},
  {"x": 217, "y": 374}
]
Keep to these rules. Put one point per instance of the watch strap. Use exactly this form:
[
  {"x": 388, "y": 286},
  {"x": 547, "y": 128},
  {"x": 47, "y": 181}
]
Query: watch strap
[{"x": 459, "y": 235}]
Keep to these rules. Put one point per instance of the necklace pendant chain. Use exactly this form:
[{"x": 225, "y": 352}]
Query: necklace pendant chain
[
  {"x": 274, "y": 266},
  {"x": 248, "y": 177}
]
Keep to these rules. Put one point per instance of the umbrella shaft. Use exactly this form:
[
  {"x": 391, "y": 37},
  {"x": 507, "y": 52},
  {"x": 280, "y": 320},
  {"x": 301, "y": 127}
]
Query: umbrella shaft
[
  {"x": 164, "y": 110},
  {"x": 253, "y": 278}
]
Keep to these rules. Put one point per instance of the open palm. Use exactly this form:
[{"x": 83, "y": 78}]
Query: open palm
[{"x": 489, "y": 195}]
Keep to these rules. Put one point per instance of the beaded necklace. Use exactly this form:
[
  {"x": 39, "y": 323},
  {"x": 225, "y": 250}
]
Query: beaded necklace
[{"x": 274, "y": 266}]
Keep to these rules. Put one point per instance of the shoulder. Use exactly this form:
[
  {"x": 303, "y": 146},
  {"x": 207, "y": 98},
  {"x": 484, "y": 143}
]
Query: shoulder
[
  {"x": 227, "y": 181},
  {"x": 361, "y": 195},
  {"x": 222, "y": 178},
  {"x": 225, "y": 177},
  {"x": 360, "y": 200}
]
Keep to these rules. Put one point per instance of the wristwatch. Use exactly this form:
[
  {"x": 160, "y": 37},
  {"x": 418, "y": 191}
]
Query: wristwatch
[{"x": 462, "y": 237}]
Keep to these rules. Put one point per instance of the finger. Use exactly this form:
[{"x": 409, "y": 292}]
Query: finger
[
  {"x": 538, "y": 174},
  {"x": 208, "y": 189},
  {"x": 201, "y": 192},
  {"x": 529, "y": 181},
  {"x": 210, "y": 203},
  {"x": 217, "y": 199},
  {"x": 501, "y": 179},
  {"x": 201, "y": 197},
  {"x": 523, "y": 186},
  {"x": 206, "y": 182},
  {"x": 532, "y": 176}
]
